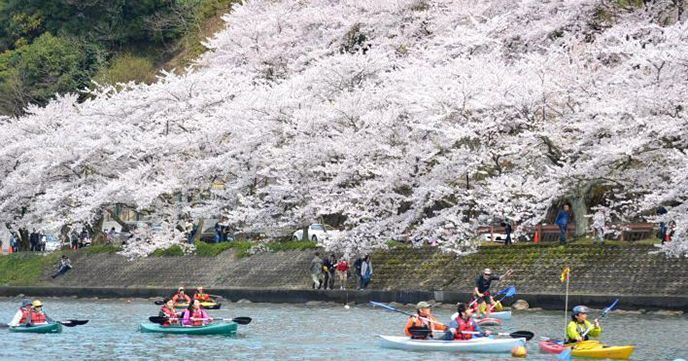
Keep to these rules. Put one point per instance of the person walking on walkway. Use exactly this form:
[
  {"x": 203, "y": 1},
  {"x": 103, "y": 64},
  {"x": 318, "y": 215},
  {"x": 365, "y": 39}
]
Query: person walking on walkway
[
  {"x": 563, "y": 220},
  {"x": 316, "y": 270},
  {"x": 366, "y": 272}
]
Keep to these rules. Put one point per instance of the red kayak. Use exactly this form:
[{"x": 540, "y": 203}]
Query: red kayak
[{"x": 488, "y": 322}]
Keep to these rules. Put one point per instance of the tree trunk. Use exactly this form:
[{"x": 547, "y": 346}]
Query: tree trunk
[
  {"x": 579, "y": 208},
  {"x": 199, "y": 230},
  {"x": 24, "y": 239},
  {"x": 304, "y": 236},
  {"x": 96, "y": 229}
]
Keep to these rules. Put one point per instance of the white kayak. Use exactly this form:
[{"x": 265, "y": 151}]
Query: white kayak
[
  {"x": 477, "y": 344},
  {"x": 502, "y": 315}
]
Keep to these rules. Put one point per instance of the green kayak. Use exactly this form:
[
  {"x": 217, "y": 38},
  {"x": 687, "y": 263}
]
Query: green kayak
[
  {"x": 47, "y": 328},
  {"x": 228, "y": 328}
]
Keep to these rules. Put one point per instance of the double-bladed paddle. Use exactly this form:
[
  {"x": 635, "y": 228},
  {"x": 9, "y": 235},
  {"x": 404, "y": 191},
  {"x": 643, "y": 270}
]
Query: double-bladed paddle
[
  {"x": 66, "y": 323},
  {"x": 239, "y": 320}
]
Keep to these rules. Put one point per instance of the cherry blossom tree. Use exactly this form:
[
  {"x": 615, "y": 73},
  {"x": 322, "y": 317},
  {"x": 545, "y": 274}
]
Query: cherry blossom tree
[{"x": 408, "y": 118}]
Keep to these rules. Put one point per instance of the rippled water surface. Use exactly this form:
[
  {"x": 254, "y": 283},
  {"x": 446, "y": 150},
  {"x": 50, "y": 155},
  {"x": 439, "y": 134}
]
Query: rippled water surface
[{"x": 296, "y": 332}]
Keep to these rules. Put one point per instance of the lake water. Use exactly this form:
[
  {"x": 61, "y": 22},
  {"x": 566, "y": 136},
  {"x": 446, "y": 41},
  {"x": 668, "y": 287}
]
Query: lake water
[{"x": 297, "y": 332}]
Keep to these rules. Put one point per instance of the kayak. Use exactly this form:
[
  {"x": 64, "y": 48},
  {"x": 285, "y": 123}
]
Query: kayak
[
  {"x": 478, "y": 344},
  {"x": 47, "y": 328},
  {"x": 590, "y": 349},
  {"x": 206, "y": 305},
  {"x": 228, "y": 328},
  {"x": 488, "y": 322},
  {"x": 502, "y": 315}
]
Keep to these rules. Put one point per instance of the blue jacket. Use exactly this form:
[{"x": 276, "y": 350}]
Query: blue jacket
[{"x": 563, "y": 217}]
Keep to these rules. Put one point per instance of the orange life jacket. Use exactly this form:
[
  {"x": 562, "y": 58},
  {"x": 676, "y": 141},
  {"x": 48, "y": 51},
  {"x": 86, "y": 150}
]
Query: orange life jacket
[
  {"x": 415, "y": 322},
  {"x": 38, "y": 318},
  {"x": 203, "y": 297},
  {"x": 468, "y": 326}
]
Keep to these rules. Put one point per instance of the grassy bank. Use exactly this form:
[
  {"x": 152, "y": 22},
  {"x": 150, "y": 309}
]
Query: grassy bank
[{"x": 27, "y": 268}]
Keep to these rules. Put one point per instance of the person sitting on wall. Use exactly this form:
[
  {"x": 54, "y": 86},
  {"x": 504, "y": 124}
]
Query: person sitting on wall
[{"x": 64, "y": 266}]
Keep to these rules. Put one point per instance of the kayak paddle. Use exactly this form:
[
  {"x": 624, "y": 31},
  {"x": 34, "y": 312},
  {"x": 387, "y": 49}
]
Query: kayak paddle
[
  {"x": 159, "y": 302},
  {"x": 517, "y": 334},
  {"x": 511, "y": 290},
  {"x": 72, "y": 323},
  {"x": 393, "y": 309},
  {"x": 603, "y": 314},
  {"x": 239, "y": 320}
]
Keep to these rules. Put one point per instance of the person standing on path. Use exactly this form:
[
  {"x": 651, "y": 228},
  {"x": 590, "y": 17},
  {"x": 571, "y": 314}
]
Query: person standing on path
[
  {"x": 507, "y": 229},
  {"x": 366, "y": 272},
  {"x": 328, "y": 268},
  {"x": 482, "y": 289},
  {"x": 563, "y": 220},
  {"x": 316, "y": 270},
  {"x": 342, "y": 268}
]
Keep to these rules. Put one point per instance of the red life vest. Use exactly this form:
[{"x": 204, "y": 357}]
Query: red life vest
[
  {"x": 197, "y": 318},
  {"x": 38, "y": 318},
  {"x": 25, "y": 315},
  {"x": 468, "y": 326},
  {"x": 171, "y": 314}
]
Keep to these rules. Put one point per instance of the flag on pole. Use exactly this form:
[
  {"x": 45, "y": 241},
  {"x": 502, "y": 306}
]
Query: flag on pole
[{"x": 565, "y": 274}]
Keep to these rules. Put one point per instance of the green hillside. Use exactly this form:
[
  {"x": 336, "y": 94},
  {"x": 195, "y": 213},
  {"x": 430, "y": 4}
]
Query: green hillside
[{"x": 58, "y": 46}]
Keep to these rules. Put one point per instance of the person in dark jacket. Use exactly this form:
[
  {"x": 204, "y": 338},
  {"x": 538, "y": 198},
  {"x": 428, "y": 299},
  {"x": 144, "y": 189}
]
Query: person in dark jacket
[{"x": 563, "y": 220}]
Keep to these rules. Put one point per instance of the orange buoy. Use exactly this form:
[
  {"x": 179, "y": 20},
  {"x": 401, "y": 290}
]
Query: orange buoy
[{"x": 519, "y": 351}]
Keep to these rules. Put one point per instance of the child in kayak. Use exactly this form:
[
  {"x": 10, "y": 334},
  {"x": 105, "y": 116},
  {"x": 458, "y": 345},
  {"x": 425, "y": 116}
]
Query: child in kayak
[
  {"x": 462, "y": 326},
  {"x": 167, "y": 310},
  {"x": 195, "y": 315},
  {"x": 579, "y": 328},
  {"x": 421, "y": 325},
  {"x": 22, "y": 316}
]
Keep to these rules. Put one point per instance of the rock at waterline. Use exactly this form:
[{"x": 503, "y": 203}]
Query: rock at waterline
[{"x": 520, "y": 305}]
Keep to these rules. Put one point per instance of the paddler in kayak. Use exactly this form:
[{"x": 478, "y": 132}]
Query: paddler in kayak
[
  {"x": 482, "y": 290},
  {"x": 462, "y": 326},
  {"x": 37, "y": 316},
  {"x": 579, "y": 328},
  {"x": 181, "y": 297},
  {"x": 201, "y": 295},
  {"x": 167, "y": 310},
  {"x": 22, "y": 316},
  {"x": 421, "y": 325},
  {"x": 195, "y": 315}
]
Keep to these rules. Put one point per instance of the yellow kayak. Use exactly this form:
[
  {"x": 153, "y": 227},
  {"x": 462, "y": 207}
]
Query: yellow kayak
[
  {"x": 590, "y": 349},
  {"x": 206, "y": 305}
]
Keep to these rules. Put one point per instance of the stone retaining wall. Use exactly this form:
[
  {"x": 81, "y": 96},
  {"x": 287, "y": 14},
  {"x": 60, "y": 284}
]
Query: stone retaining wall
[{"x": 610, "y": 271}]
